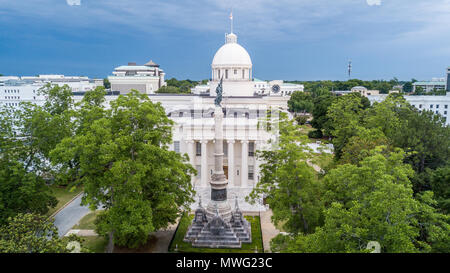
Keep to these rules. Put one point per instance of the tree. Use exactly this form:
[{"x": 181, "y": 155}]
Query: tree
[
  {"x": 345, "y": 115},
  {"x": 169, "y": 90},
  {"x": 408, "y": 87},
  {"x": 22, "y": 189},
  {"x": 320, "y": 119},
  {"x": 361, "y": 144},
  {"x": 106, "y": 83},
  {"x": 125, "y": 165},
  {"x": 419, "y": 91},
  {"x": 425, "y": 136},
  {"x": 300, "y": 102},
  {"x": 440, "y": 185},
  {"x": 371, "y": 202},
  {"x": 30, "y": 233},
  {"x": 288, "y": 183}
]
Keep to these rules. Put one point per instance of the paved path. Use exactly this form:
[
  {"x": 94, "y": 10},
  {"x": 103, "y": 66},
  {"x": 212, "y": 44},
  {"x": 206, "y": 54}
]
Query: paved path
[
  {"x": 82, "y": 232},
  {"x": 69, "y": 216},
  {"x": 163, "y": 238},
  {"x": 268, "y": 229}
]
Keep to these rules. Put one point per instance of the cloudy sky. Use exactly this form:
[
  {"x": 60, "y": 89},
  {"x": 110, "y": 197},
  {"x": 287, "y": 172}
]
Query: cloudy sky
[{"x": 287, "y": 39}]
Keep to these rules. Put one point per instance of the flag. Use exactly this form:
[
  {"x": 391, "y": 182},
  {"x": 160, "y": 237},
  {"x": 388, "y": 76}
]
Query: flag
[{"x": 231, "y": 16}]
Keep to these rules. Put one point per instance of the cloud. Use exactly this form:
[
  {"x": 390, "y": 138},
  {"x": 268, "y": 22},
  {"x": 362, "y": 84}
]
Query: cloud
[
  {"x": 73, "y": 2},
  {"x": 373, "y": 2}
]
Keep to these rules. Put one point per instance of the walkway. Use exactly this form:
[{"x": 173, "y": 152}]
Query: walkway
[{"x": 269, "y": 231}]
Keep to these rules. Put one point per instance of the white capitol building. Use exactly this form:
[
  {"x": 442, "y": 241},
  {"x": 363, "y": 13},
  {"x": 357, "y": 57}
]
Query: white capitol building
[{"x": 244, "y": 125}]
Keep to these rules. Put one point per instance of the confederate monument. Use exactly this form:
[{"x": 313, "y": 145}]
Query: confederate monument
[{"x": 217, "y": 226}]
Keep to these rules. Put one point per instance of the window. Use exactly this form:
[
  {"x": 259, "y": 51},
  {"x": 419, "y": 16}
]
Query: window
[
  {"x": 437, "y": 106},
  {"x": 237, "y": 172},
  {"x": 192, "y": 113},
  {"x": 198, "y": 148},
  {"x": 420, "y": 106},
  {"x": 235, "y": 114},
  {"x": 180, "y": 114},
  {"x": 445, "y": 112},
  {"x": 226, "y": 73},
  {"x": 235, "y": 72},
  {"x": 251, "y": 173},
  {"x": 176, "y": 146},
  {"x": 431, "y": 106},
  {"x": 251, "y": 149},
  {"x": 247, "y": 115},
  {"x": 199, "y": 171},
  {"x": 437, "y": 112},
  {"x": 446, "y": 106}
]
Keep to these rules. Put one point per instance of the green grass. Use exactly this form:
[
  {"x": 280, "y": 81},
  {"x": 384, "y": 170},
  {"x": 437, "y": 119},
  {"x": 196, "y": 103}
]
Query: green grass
[
  {"x": 184, "y": 247},
  {"x": 63, "y": 195},
  {"x": 305, "y": 129},
  {"x": 95, "y": 244},
  {"x": 87, "y": 222},
  {"x": 322, "y": 160}
]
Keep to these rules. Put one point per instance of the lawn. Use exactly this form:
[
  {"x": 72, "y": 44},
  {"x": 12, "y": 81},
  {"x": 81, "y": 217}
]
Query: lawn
[
  {"x": 87, "y": 222},
  {"x": 322, "y": 160},
  {"x": 185, "y": 221},
  {"x": 63, "y": 195},
  {"x": 95, "y": 244},
  {"x": 305, "y": 129}
]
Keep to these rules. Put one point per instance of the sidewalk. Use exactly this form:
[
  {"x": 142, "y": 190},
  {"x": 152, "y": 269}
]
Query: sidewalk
[{"x": 269, "y": 231}]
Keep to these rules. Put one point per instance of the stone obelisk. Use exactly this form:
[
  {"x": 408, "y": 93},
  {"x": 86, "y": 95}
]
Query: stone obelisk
[{"x": 219, "y": 181}]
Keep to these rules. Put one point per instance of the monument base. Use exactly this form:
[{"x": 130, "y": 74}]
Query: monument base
[{"x": 223, "y": 207}]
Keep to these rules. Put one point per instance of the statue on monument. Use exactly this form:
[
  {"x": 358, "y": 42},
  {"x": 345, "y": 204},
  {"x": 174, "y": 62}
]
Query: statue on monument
[{"x": 219, "y": 91}]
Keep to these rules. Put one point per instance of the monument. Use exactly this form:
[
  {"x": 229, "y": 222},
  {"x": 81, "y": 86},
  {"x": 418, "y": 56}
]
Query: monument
[{"x": 217, "y": 226}]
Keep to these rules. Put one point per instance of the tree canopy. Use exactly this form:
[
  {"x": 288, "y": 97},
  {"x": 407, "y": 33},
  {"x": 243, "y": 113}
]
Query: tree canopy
[{"x": 125, "y": 166}]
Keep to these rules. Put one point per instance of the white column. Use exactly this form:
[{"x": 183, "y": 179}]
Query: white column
[
  {"x": 244, "y": 167},
  {"x": 205, "y": 173},
  {"x": 231, "y": 171}
]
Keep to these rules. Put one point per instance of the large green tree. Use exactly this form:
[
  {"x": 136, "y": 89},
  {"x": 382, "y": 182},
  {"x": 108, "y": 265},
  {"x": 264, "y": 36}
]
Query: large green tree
[
  {"x": 345, "y": 115},
  {"x": 371, "y": 201},
  {"x": 301, "y": 102},
  {"x": 125, "y": 166},
  {"x": 288, "y": 183},
  {"x": 31, "y": 233}
]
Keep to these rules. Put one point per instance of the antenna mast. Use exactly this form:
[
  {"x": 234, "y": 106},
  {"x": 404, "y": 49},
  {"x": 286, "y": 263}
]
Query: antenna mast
[{"x": 349, "y": 69}]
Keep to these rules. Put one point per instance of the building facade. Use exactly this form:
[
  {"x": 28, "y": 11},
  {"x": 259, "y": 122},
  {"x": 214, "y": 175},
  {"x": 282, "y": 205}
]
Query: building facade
[
  {"x": 147, "y": 78},
  {"x": 440, "y": 105},
  {"x": 14, "y": 90},
  {"x": 430, "y": 86}
]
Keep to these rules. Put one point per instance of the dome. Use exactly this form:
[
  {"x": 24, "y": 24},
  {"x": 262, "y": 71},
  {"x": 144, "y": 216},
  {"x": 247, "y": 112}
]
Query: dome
[
  {"x": 232, "y": 54},
  {"x": 359, "y": 89}
]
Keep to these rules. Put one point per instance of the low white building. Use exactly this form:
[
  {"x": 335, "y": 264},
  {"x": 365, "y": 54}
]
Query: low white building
[
  {"x": 437, "y": 84},
  {"x": 438, "y": 104},
  {"x": 147, "y": 78},
  {"x": 14, "y": 90}
]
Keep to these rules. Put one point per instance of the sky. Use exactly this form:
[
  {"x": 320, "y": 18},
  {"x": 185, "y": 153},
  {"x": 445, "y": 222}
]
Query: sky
[{"x": 287, "y": 39}]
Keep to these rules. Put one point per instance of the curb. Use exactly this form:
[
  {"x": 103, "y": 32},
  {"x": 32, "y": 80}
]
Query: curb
[{"x": 65, "y": 205}]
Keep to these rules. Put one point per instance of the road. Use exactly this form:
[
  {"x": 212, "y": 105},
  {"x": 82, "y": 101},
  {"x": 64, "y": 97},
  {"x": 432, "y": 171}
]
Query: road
[{"x": 70, "y": 215}]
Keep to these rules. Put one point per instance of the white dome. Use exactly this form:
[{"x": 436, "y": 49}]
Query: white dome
[{"x": 232, "y": 54}]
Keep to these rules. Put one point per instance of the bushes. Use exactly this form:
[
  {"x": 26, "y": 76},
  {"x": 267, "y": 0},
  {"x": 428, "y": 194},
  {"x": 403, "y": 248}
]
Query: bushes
[
  {"x": 301, "y": 120},
  {"x": 315, "y": 134}
]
